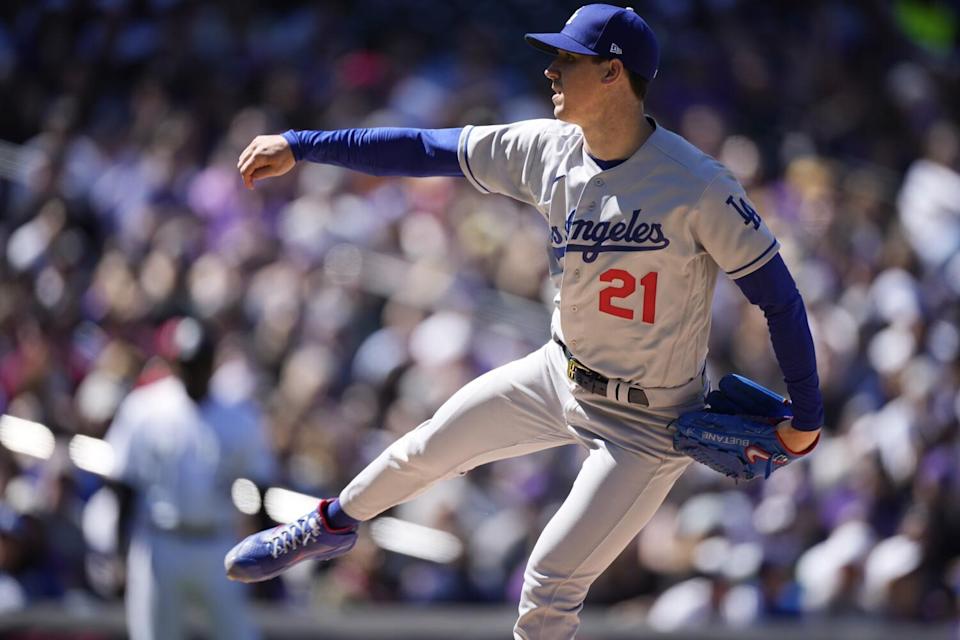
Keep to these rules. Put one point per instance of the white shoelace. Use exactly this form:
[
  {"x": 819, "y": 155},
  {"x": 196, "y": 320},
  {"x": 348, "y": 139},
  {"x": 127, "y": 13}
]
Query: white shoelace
[{"x": 296, "y": 534}]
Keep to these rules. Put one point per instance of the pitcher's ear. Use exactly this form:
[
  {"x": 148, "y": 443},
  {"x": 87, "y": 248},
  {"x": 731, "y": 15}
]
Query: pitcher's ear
[{"x": 614, "y": 70}]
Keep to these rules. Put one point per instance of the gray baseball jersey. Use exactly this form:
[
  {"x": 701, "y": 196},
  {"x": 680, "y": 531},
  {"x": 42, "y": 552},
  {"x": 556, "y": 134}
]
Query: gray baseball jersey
[
  {"x": 635, "y": 254},
  {"x": 635, "y": 249}
]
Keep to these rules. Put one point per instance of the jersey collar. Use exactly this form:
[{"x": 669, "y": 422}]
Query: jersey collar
[{"x": 641, "y": 152}]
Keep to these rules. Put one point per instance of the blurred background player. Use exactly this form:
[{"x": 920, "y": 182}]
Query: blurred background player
[{"x": 178, "y": 449}]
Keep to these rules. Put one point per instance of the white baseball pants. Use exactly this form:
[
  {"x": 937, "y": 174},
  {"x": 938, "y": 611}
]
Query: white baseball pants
[{"x": 525, "y": 406}]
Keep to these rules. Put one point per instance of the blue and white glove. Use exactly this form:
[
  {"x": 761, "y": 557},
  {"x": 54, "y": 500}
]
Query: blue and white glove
[{"x": 737, "y": 434}]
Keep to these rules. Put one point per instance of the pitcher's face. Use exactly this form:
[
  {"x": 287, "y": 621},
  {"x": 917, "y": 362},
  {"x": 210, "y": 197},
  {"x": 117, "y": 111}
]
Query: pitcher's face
[{"x": 576, "y": 83}]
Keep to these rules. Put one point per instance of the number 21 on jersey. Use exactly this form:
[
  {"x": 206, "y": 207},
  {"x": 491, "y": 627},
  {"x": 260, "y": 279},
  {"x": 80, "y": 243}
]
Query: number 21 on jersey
[{"x": 623, "y": 285}]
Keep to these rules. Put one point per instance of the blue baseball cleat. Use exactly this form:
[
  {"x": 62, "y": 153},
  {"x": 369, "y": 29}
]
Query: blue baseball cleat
[{"x": 269, "y": 553}]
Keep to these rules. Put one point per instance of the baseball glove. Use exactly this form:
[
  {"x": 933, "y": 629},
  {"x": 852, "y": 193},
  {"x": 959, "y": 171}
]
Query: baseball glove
[{"x": 737, "y": 434}]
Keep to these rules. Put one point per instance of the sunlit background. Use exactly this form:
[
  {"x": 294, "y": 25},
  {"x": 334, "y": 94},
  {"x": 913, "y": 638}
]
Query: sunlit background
[{"x": 350, "y": 307}]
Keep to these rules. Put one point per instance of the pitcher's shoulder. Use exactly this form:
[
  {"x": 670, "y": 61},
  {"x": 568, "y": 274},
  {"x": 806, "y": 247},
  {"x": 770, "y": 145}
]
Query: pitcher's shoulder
[{"x": 695, "y": 164}]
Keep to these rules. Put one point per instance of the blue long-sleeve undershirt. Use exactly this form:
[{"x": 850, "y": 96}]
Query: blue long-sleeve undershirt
[
  {"x": 400, "y": 151},
  {"x": 771, "y": 287},
  {"x": 384, "y": 151}
]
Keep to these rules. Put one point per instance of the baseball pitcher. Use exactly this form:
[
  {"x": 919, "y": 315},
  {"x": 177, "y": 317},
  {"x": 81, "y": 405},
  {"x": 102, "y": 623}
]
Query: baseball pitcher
[{"x": 640, "y": 222}]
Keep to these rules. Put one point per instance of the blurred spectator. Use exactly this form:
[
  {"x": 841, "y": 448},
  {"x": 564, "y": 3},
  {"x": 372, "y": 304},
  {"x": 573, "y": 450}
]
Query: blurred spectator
[{"x": 26, "y": 575}]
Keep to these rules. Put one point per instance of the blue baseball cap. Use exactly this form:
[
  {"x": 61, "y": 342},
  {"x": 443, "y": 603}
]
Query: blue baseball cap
[{"x": 607, "y": 31}]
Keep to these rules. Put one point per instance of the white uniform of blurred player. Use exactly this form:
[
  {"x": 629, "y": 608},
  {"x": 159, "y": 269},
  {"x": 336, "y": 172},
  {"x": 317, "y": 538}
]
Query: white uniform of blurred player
[
  {"x": 179, "y": 448},
  {"x": 640, "y": 224}
]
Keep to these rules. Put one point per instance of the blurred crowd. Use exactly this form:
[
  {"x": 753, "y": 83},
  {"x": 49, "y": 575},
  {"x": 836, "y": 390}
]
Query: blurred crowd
[{"x": 350, "y": 307}]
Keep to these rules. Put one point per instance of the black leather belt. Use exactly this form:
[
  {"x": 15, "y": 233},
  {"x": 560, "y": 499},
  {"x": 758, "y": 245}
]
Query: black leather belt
[{"x": 597, "y": 382}]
